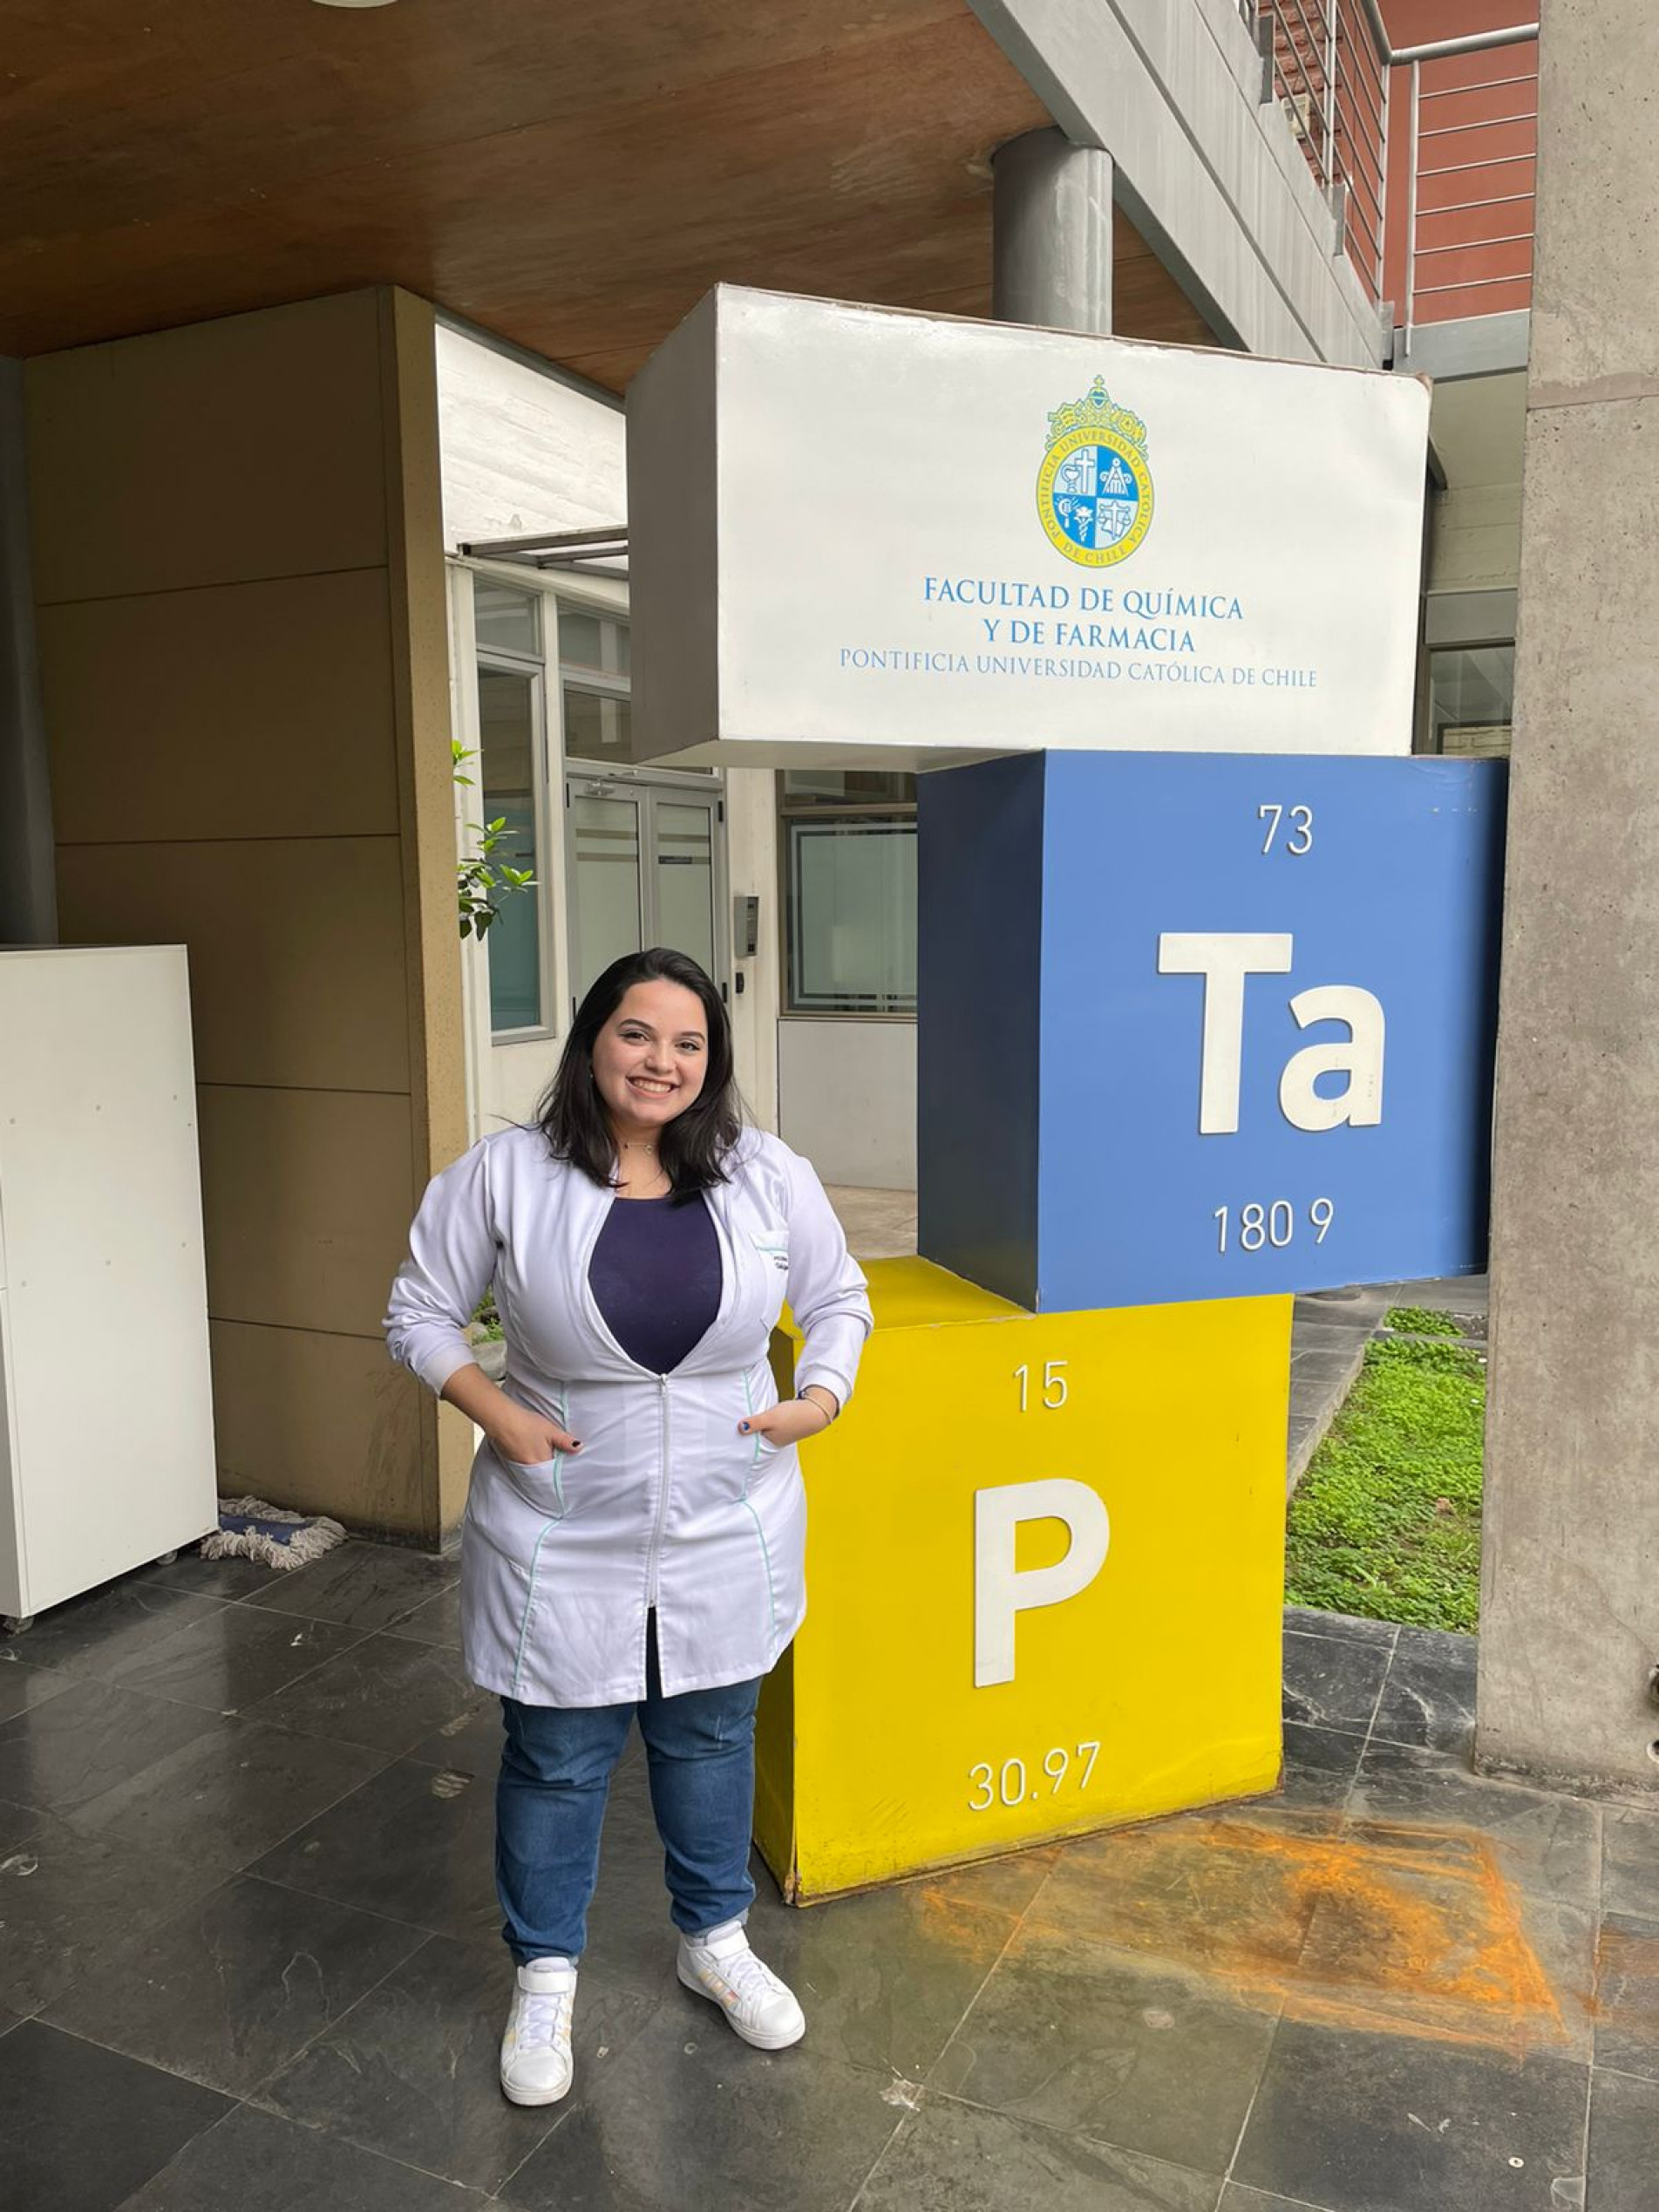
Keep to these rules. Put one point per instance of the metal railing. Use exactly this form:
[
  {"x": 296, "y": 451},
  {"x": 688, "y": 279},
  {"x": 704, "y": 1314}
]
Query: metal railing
[
  {"x": 1472, "y": 152},
  {"x": 1459, "y": 117},
  {"x": 1326, "y": 62}
]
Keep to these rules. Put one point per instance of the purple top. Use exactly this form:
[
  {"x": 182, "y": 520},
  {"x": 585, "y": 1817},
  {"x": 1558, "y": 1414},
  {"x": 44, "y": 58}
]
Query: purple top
[{"x": 655, "y": 1273}]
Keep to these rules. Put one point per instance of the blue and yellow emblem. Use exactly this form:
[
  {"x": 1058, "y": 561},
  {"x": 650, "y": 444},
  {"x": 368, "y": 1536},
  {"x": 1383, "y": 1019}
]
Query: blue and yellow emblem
[{"x": 1094, "y": 491}]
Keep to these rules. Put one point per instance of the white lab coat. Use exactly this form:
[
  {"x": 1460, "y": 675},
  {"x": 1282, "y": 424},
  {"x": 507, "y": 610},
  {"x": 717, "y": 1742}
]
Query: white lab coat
[{"x": 665, "y": 1504}]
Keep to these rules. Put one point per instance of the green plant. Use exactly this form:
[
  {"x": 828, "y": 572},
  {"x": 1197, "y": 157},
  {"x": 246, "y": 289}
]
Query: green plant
[
  {"x": 1386, "y": 1522},
  {"x": 482, "y": 880},
  {"x": 1420, "y": 1320}
]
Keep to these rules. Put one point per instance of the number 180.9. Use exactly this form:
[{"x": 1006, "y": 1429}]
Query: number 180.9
[{"x": 1254, "y": 1227}]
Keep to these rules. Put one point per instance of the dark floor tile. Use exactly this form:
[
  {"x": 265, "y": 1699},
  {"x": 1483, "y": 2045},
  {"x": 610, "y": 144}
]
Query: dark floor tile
[
  {"x": 1540, "y": 1843},
  {"x": 9, "y": 2020},
  {"x": 384, "y": 1692},
  {"x": 413, "y": 2070},
  {"x": 1308, "y": 1621},
  {"x": 1624, "y": 2145},
  {"x": 1626, "y": 1997},
  {"x": 1235, "y": 2198},
  {"x": 1320, "y": 1765},
  {"x": 472, "y": 1741},
  {"x": 229, "y": 1579},
  {"x": 1429, "y": 1698},
  {"x": 697, "y": 2122},
  {"x": 883, "y": 1979},
  {"x": 1388, "y": 2123},
  {"x": 93, "y": 1636},
  {"x": 229, "y": 1795},
  {"x": 439, "y": 1621},
  {"x": 365, "y": 1586},
  {"x": 81, "y": 2128},
  {"x": 235, "y": 1986},
  {"x": 1630, "y": 1861},
  {"x": 1008, "y": 1884},
  {"x": 1106, "y": 2044},
  {"x": 22, "y": 1686},
  {"x": 1429, "y": 1944},
  {"x": 66, "y": 1899},
  {"x": 255, "y": 2162},
  {"x": 77, "y": 1745},
  {"x": 1226, "y": 1892},
  {"x": 1332, "y": 1682},
  {"x": 953, "y": 2158},
  {"x": 228, "y": 1662},
  {"x": 415, "y": 1842}
]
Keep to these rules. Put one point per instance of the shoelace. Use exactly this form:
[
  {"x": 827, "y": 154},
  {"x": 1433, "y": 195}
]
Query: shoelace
[
  {"x": 749, "y": 1975},
  {"x": 540, "y": 2020}
]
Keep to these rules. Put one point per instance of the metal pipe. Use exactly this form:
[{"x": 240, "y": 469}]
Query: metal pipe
[
  {"x": 1411, "y": 204},
  {"x": 1478, "y": 42}
]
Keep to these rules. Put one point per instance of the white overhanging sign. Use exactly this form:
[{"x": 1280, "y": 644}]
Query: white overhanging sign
[{"x": 910, "y": 535}]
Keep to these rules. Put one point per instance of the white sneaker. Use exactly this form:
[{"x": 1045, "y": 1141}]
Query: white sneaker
[
  {"x": 721, "y": 1966},
  {"x": 535, "y": 2050}
]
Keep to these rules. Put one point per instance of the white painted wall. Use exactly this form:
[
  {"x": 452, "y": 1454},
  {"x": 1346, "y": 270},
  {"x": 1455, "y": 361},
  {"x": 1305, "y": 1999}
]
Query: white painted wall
[
  {"x": 847, "y": 1100},
  {"x": 752, "y": 863},
  {"x": 523, "y": 452}
]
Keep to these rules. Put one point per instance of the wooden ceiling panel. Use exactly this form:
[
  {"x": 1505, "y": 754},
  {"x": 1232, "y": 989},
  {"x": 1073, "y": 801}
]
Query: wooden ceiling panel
[{"x": 573, "y": 179}]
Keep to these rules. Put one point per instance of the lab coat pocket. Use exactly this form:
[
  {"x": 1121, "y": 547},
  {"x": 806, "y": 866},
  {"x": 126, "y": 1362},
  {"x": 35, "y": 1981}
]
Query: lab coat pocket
[
  {"x": 772, "y": 1244},
  {"x": 540, "y": 1482}
]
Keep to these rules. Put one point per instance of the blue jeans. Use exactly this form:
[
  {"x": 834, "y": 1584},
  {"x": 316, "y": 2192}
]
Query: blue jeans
[{"x": 556, "y": 1767}]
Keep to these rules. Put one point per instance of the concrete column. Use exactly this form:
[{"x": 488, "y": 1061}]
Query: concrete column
[
  {"x": 1570, "y": 1621},
  {"x": 1052, "y": 233},
  {"x": 28, "y": 896}
]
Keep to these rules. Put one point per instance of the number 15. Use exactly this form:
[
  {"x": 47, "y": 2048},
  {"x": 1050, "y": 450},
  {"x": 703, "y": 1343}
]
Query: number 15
[{"x": 1055, "y": 1392}]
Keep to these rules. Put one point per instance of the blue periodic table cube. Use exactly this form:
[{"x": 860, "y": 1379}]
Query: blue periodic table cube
[{"x": 1203, "y": 1026}]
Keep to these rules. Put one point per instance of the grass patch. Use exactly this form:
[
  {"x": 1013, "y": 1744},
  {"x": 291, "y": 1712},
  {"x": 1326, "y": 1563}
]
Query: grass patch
[
  {"x": 1420, "y": 1320},
  {"x": 1386, "y": 1522}
]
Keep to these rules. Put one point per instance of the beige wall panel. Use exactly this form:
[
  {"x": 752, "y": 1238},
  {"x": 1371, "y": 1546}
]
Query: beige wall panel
[
  {"x": 324, "y": 1424},
  {"x": 244, "y": 711},
  {"x": 296, "y": 950},
  {"x": 308, "y": 1196},
  {"x": 212, "y": 454},
  {"x": 420, "y": 660}
]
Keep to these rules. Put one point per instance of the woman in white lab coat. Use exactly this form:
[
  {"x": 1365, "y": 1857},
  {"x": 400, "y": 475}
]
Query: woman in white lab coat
[{"x": 632, "y": 1543}]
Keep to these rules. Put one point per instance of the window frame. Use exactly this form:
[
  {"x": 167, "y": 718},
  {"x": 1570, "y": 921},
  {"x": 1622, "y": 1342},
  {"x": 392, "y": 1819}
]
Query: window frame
[
  {"x": 801, "y": 808},
  {"x": 500, "y": 660}
]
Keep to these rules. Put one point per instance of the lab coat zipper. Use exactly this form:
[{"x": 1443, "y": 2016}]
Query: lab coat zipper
[{"x": 662, "y": 1498}]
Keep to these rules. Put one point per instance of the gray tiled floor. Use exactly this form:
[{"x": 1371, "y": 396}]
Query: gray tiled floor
[{"x": 248, "y": 1957}]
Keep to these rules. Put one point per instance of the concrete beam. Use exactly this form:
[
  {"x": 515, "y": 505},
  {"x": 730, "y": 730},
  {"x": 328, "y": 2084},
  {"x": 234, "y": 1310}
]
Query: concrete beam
[
  {"x": 1209, "y": 174},
  {"x": 1569, "y": 1631}
]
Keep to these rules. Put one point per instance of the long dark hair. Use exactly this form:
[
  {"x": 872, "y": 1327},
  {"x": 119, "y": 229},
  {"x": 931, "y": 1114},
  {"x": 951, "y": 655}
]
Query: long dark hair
[{"x": 694, "y": 1147}]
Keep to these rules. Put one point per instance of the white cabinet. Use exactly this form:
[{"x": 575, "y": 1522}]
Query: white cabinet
[{"x": 106, "y": 1456}]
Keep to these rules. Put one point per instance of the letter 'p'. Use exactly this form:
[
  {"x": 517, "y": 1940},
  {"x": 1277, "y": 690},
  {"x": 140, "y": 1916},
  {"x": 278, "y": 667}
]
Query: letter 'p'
[{"x": 1001, "y": 1591}]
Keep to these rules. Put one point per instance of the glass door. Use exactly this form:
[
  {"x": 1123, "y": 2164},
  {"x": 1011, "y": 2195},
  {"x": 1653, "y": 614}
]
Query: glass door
[
  {"x": 646, "y": 868},
  {"x": 606, "y": 881}
]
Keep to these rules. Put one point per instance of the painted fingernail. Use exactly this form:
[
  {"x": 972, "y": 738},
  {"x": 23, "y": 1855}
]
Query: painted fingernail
[
  {"x": 743, "y": 1428},
  {"x": 575, "y": 1444}
]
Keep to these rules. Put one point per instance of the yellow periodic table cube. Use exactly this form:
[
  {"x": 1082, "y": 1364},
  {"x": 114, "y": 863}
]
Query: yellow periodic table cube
[{"x": 1044, "y": 1575}]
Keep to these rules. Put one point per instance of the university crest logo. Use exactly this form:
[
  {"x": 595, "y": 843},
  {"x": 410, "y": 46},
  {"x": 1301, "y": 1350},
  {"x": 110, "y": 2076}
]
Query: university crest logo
[{"x": 1094, "y": 490}]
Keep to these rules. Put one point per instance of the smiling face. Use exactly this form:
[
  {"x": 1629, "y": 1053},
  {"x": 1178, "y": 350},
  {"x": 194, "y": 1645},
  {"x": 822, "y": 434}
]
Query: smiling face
[{"x": 650, "y": 1057}]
